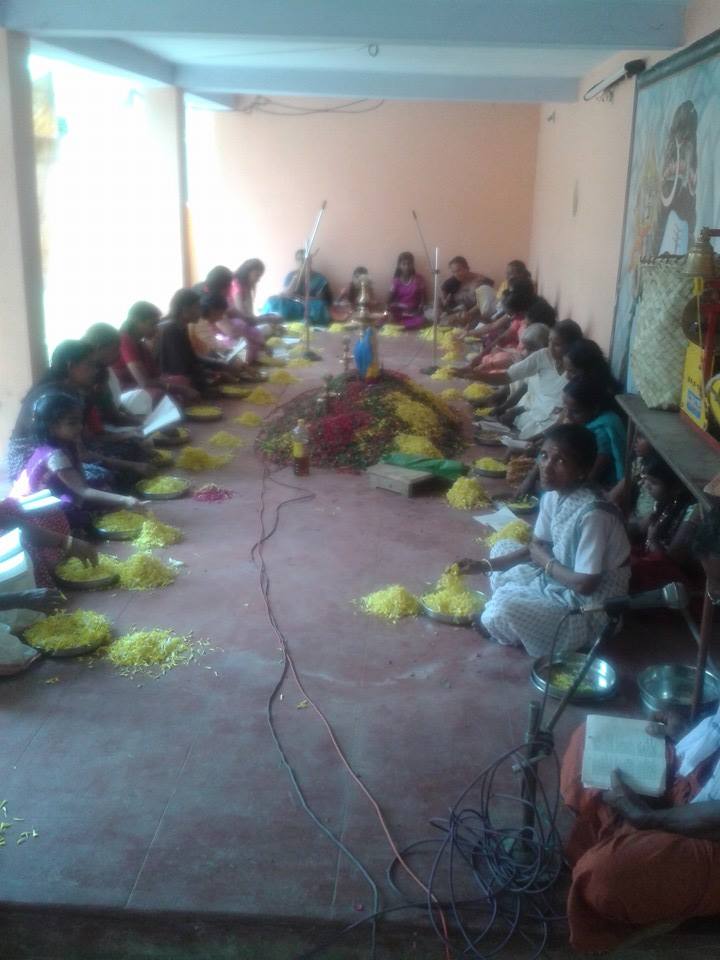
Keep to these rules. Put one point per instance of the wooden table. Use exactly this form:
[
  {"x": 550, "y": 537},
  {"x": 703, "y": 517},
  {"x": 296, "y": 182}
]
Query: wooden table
[{"x": 695, "y": 462}]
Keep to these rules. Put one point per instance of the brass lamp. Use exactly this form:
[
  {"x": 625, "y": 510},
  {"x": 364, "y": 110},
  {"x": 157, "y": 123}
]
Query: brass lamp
[{"x": 700, "y": 260}]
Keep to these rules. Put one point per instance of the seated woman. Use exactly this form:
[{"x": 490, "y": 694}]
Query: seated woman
[
  {"x": 73, "y": 369},
  {"x": 544, "y": 374},
  {"x": 588, "y": 403},
  {"x": 534, "y": 337},
  {"x": 57, "y": 463},
  {"x": 174, "y": 353},
  {"x": 135, "y": 367},
  {"x": 406, "y": 299},
  {"x": 240, "y": 319},
  {"x": 585, "y": 358},
  {"x": 459, "y": 295},
  {"x": 661, "y": 540},
  {"x": 578, "y": 556},
  {"x": 502, "y": 349},
  {"x": 635, "y": 866},
  {"x": 515, "y": 270},
  {"x": 46, "y": 537},
  {"x": 290, "y": 304}
]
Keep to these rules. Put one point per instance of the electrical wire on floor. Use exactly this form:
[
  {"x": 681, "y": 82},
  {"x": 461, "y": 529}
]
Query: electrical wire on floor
[
  {"x": 510, "y": 868},
  {"x": 257, "y": 555}
]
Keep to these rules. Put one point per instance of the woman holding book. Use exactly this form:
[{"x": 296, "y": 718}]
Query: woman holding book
[{"x": 638, "y": 868}]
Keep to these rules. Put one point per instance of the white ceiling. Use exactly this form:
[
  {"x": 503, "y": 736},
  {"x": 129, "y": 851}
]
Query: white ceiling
[{"x": 522, "y": 50}]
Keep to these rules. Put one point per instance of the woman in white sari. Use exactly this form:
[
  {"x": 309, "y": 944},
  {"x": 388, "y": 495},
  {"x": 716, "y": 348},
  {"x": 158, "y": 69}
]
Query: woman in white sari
[{"x": 579, "y": 556}]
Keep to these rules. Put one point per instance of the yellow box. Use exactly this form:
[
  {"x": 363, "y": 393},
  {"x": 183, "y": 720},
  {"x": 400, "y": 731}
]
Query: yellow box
[{"x": 693, "y": 401}]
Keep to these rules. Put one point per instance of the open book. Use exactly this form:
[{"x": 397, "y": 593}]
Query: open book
[
  {"x": 617, "y": 743},
  {"x": 164, "y": 415}
]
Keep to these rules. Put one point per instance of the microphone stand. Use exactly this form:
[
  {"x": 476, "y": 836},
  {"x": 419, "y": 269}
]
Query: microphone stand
[
  {"x": 435, "y": 271},
  {"x": 540, "y": 741},
  {"x": 307, "y": 267}
]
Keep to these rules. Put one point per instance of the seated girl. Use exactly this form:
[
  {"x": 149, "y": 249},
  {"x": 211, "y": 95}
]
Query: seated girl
[
  {"x": 585, "y": 358},
  {"x": 72, "y": 370},
  {"x": 661, "y": 541},
  {"x": 46, "y": 538},
  {"x": 406, "y": 299},
  {"x": 174, "y": 353},
  {"x": 578, "y": 556},
  {"x": 587, "y": 402},
  {"x": 240, "y": 320},
  {"x": 136, "y": 368},
  {"x": 290, "y": 304},
  {"x": 57, "y": 461},
  {"x": 213, "y": 344}
]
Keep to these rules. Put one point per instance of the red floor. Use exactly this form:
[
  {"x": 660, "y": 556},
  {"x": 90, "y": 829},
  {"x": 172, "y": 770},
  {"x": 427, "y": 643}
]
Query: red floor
[{"x": 168, "y": 794}]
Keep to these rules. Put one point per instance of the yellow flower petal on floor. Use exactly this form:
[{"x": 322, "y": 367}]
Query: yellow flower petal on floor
[
  {"x": 300, "y": 362},
  {"x": 261, "y": 397},
  {"x": 155, "y": 533},
  {"x": 452, "y": 393},
  {"x": 64, "y": 631},
  {"x": 248, "y": 419},
  {"x": 417, "y": 446},
  {"x": 282, "y": 376},
  {"x": 391, "y": 603},
  {"x": 224, "y": 439},
  {"x": 336, "y": 328},
  {"x": 150, "y": 648},
  {"x": 143, "y": 571},
  {"x": 443, "y": 373},
  {"x": 421, "y": 419},
  {"x": 196, "y": 459},
  {"x": 477, "y": 391},
  {"x": 164, "y": 484},
  {"x": 467, "y": 494},
  {"x": 514, "y": 530},
  {"x": 390, "y": 330},
  {"x": 294, "y": 326}
]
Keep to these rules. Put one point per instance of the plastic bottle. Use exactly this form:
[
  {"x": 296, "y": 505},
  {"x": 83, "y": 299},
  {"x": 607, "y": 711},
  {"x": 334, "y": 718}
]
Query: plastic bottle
[{"x": 301, "y": 450}]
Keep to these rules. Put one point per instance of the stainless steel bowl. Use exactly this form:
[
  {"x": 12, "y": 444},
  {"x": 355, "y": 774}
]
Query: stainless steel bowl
[
  {"x": 454, "y": 621},
  {"x": 599, "y": 683},
  {"x": 672, "y": 684}
]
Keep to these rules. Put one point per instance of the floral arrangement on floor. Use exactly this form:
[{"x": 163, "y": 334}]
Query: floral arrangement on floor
[{"x": 353, "y": 423}]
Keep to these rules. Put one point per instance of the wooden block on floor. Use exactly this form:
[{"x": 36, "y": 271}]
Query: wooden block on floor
[{"x": 386, "y": 476}]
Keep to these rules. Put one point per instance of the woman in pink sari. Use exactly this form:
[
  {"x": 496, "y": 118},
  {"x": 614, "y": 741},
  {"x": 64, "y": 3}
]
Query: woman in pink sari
[{"x": 407, "y": 294}]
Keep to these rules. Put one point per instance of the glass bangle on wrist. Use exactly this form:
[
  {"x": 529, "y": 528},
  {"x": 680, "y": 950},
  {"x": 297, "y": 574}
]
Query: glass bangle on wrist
[
  {"x": 548, "y": 566},
  {"x": 487, "y": 566}
]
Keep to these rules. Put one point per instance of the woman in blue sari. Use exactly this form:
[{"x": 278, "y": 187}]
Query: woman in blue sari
[
  {"x": 290, "y": 304},
  {"x": 588, "y": 403}
]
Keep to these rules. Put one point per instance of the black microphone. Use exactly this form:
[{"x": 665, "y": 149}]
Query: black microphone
[{"x": 672, "y": 595}]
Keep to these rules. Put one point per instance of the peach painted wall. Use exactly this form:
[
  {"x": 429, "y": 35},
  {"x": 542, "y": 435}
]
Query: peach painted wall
[
  {"x": 582, "y": 163},
  {"x": 257, "y": 182}
]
